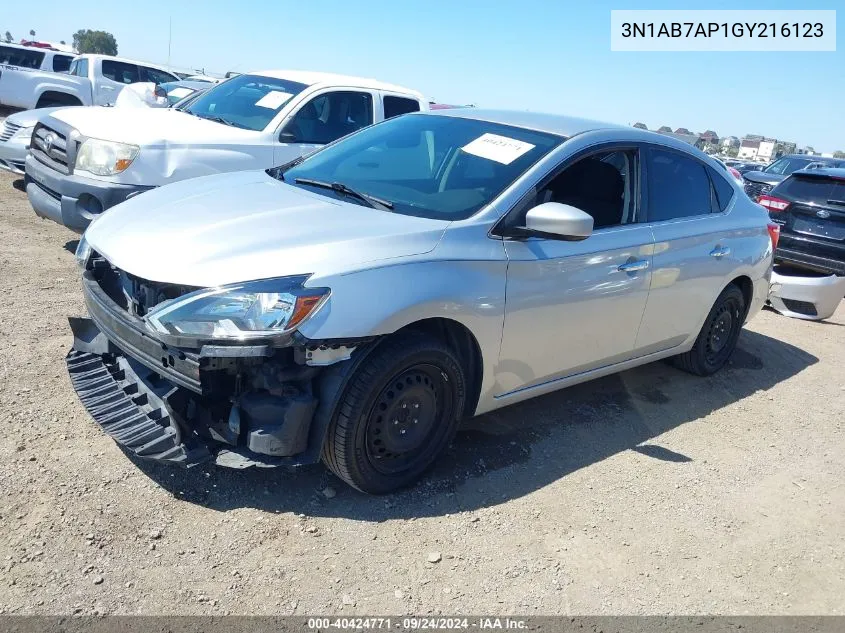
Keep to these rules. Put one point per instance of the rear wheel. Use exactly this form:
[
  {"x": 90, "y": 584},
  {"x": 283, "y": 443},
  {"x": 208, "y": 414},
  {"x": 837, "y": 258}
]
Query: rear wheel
[
  {"x": 718, "y": 337},
  {"x": 398, "y": 411}
]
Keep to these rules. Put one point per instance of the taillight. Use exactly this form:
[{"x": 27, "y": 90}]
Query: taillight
[
  {"x": 774, "y": 234},
  {"x": 733, "y": 172},
  {"x": 772, "y": 204}
]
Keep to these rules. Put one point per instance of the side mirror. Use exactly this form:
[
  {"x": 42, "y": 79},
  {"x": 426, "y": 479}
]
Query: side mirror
[
  {"x": 286, "y": 136},
  {"x": 559, "y": 221}
]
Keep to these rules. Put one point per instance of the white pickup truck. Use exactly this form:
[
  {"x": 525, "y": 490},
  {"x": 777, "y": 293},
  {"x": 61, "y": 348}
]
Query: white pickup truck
[
  {"x": 85, "y": 80},
  {"x": 84, "y": 160}
]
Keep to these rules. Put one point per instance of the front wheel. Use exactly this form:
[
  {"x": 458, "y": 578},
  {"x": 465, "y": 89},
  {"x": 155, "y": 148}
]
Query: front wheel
[
  {"x": 718, "y": 336},
  {"x": 397, "y": 413}
]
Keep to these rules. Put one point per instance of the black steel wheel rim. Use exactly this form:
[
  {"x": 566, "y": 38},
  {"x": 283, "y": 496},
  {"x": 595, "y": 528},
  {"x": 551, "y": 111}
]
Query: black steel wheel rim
[
  {"x": 406, "y": 419},
  {"x": 722, "y": 331}
]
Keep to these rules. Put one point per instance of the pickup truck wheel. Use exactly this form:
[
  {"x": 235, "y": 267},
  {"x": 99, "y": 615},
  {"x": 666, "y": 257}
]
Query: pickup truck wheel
[
  {"x": 718, "y": 337},
  {"x": 397, "y": 413}
]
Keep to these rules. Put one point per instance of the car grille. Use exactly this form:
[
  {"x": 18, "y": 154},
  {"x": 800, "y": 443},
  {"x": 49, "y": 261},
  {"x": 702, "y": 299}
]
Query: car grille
[
  {"x": 51, "y": 148},
  {"x": 8, "y": 130},
  {"x": 135, "y": 295},
  {"x": 756, "y": 189}
]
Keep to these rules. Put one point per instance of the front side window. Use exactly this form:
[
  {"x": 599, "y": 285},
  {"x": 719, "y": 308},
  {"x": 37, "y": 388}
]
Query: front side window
[
  {"x": 246, "y": 101},
  {"x": 426, "y": 166},
  {"x": 678, "y": 186},
  {"x": 602, "y": 184},
  {"x": 120, "y": 72},
  {"x": 396, "y": 106},
  {"x": 61, "y": 63},
  {"x": 330, "y": 116},
  {"x": 22, "y": 57}
]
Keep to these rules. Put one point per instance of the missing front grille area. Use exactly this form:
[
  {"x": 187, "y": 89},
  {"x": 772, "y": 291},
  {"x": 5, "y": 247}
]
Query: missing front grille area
[{"x": 801, "y": 307}]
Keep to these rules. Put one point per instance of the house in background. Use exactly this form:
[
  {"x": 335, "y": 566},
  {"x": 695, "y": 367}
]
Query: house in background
[
  {"x": 730, "y": 141},
  {"x": 748, "y": 149},
  {"x": 692, "y": 139},
  {"x": 663, "y": 129},
  {"x": 640, "y": 126},
  {"x": 766, "y": 150},
  {"x": 709, "y": 137},
  {"x": 683, "y": 130}
]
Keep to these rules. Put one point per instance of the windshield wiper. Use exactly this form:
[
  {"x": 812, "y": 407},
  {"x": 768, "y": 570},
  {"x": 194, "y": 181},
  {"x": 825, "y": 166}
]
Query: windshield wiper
[
  {"x": 216, "y": 119},
  {"x": 372, "y": 201}
]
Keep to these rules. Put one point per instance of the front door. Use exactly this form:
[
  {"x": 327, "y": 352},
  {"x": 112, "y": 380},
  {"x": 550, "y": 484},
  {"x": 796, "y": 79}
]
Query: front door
[{"x": 576, "y": 306}]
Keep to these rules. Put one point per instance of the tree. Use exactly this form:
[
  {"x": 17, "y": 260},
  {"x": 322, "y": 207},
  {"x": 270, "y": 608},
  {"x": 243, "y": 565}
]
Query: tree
[
  {"x": 88, "y": 41},
  {"x": 61, "y": 42},
  {"x": 9, "y": 37},
  {"x": 32, "y": 32},
  {"x": 839, "y": 154}
]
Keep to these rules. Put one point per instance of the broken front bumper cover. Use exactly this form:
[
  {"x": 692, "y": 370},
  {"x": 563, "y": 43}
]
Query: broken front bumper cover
[{"x": 174, "y": 405}]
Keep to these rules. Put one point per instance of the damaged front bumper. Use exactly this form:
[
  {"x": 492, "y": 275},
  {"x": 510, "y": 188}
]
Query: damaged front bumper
[{"x": 239, "y": 405}]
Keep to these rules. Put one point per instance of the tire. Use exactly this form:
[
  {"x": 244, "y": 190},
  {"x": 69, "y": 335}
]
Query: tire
[
  {"x": 397, "y": 412},
  {"x": 718, "y": 337}
]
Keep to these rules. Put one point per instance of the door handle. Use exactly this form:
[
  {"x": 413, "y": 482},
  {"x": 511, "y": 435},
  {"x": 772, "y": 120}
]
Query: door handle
[
  {"x": 720, "y": 251},
  {"x": 631, "y": 267},
  {"x": 108, "y": 87}
]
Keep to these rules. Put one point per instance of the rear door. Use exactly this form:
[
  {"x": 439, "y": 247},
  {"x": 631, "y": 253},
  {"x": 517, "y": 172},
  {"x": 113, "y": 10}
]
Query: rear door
[
  {"x": 695, "y": 249},
  {"x": 113, "y": 77},
  {"x": 814, "y": 222}
]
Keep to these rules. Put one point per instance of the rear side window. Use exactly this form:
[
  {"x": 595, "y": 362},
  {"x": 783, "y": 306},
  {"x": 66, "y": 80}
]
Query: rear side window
[
  {"x": 61, "y": 63},
  {"x": 724, "y": 191},
  {"x": 156, "y": 76},
  {"x": 22, "y": 57},
  {"x": 678, "y": 186},
  {"x": 395, "y": 106},
  {"x": 120, "y": 72},
  {"x": 79, "y": 67},
  {"x": 814, "y": 190}
]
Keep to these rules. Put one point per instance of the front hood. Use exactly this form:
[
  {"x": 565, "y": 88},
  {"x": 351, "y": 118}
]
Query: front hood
[
  {"x": 247, "y": 225},
  {"x": 759, "y": 176},
  {"x": 147, "y": 127},
  {"x": 28, "y": 118}
]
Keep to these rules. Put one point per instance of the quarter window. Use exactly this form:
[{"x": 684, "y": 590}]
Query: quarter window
[
  {"x": 157, "y": 76},
  {"x": 396, "y": 106},
  {"x": 120, "y": 72},
  {"x": 678, "y": 186},
  {"x": 724, "y": 191},
  {"x": 330, "y": 116}
]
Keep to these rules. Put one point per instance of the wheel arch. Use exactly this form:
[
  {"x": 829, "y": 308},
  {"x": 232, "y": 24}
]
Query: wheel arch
[
  {"x": 49, "y": 96},
  {"x": 744, "y": 283}
]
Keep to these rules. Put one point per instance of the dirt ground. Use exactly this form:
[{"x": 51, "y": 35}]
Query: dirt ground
[{"x": 648, "y": 492}]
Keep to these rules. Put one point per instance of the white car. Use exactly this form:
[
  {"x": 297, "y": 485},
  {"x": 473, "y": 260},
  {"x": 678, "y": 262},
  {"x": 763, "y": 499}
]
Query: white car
[
  {"x": 89, "y": 80},
  {"x": 85, "y": 160},
  {"x": 14, "y": 138},
  {"x": 19, "y": 64}
]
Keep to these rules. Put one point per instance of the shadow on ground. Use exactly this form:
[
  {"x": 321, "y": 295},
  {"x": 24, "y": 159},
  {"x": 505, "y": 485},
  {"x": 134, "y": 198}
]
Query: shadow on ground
[
  {"x": 19, "y": 184},
  {"x": 534, "y": 443}
]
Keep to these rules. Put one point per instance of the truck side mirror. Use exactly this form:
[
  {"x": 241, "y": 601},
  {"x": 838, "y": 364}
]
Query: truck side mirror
[{"x": 286, "y": 136}]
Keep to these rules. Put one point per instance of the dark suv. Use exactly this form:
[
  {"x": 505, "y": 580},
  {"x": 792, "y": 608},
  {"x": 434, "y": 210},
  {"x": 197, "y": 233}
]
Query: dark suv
[
  {"x": 809, "y": 205},
  {"x": 757, "y": 183}
]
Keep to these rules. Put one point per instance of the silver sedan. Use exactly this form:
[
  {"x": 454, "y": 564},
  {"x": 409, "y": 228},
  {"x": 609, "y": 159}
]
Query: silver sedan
[{"x": 355, "y": 305}]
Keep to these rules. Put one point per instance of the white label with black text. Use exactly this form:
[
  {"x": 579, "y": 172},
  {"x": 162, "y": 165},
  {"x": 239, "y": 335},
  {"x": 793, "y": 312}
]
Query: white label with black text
[{"x": 498, "y": 148}]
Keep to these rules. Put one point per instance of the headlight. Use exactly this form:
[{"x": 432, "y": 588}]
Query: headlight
[
  {"x": 83, "y": 253},
  {"x": 105, "y": 158},
  {"x": 24, "y": 132},
  {"x": 239, "y": 312}
]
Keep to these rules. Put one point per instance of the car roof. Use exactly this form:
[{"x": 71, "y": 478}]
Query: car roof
[
  {"x": 126, "y": 60},
  {"x": 814, "y": 158},
  {"x": 313, "y": 78},
  {"x": 833, "y": 172},
  {"x": 541, "y": 122},
  {"x": 187, "y": 83}
]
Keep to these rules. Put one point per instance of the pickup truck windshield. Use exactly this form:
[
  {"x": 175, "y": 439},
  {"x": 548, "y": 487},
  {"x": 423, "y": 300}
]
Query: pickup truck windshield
[
  {"x": 246, "y": 101},
  {"x": 439, "y": 167}
]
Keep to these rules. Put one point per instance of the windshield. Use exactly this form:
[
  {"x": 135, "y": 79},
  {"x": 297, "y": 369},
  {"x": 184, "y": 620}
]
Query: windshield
[
  {"x": 246, "y": 101},
  {"x": 428, "y": 166},
  {"x": 786, "y": 166},
  {"x": 176, "y": 91}
]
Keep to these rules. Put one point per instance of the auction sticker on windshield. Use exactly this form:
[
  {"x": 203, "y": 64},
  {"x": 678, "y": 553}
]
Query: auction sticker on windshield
[
  {"x": 273, "y": 99},
  {"x": 498, "y": 148}
]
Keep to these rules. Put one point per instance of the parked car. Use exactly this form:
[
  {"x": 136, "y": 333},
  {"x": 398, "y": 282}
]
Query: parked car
[
  {"x": 251, "y": 121},
  {"x": 19, "y": 64},
  {"x": 758, "y": 183},
  {"x": 148, "y": 94},
  {"x": 809, "y": 206},
  {"x": 731, "y": 170},
  {"x": 177, "y": 91},
  {"x": 744, "y": 166},
  {"x": 15, "y": 136},
  {"x": 354, "y": 305},
  {"x": 89, "y": 80}
]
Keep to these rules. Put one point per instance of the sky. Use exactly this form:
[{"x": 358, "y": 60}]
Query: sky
[{"x": 540, "y": 55}]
